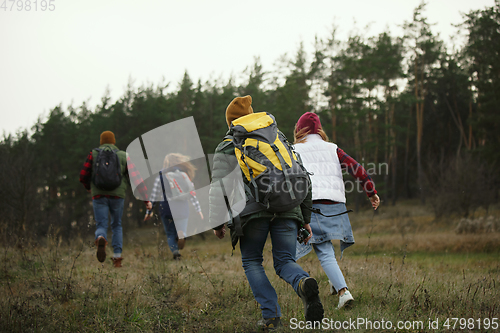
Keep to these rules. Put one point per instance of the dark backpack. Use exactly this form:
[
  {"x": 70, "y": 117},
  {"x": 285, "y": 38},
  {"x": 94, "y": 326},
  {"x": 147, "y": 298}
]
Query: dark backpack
[
  {"x": 275, "y": 177},
  {"x": 107, "y": 171}
]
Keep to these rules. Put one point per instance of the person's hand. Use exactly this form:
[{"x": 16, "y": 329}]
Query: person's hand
[
  {"x": 375, "y": 200},
  {"x": 148, "y": 216},
  {"x": 149, "y": 205},
  {"x": 201, "y": 215},
  {"x": 221, "y": 232},
  {"x": 308, "y": 228}
]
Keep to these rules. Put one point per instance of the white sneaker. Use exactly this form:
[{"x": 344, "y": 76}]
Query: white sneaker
[
  {"x": 332, "y": 288},
  {"x": 345, "y": 300}
]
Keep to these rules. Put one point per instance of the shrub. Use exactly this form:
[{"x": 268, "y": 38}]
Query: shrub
[
  {"x": 479, "y": 225},
  {"x": 461, "y": 185}
]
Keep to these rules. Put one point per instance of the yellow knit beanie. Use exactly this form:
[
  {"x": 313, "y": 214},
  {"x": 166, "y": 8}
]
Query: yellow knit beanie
[{"x": 239, "y": 107}]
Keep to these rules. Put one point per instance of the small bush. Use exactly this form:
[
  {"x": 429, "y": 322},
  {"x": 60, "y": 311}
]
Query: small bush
[
  {"x": 479, "y": 225},
  {"x": 460, "y": 186}
]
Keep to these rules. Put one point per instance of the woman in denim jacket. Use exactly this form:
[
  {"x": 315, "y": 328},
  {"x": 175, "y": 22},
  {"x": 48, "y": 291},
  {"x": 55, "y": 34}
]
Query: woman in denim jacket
[{"x": 326, "y": 161}]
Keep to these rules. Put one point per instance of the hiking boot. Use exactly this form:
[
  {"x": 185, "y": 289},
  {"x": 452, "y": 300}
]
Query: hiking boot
[
  {"x": 270, "y": 324},
  {"x": 345, "y": 300},
  {"x": 117, "y": 262},
  {"x": 101, "y": 243},
  {"x": 181, "y": 241},
  {"x": 177, "y": 256},
  {"x": 308, "y": 291}
]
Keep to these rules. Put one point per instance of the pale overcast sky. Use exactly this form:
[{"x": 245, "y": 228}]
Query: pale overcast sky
[{"x": 74, "y": 52}]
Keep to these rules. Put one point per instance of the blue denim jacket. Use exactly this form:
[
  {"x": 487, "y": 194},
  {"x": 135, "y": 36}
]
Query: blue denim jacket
[{"x": 328, "y": 228}]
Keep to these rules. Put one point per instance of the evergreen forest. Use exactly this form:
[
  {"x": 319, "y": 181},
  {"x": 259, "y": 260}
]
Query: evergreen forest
[{"x": 421, "y": 116}]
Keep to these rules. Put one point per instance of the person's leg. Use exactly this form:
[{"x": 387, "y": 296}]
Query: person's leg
[
  {"x": 116, "y": 212},
  {"x": 101, "y": 210},
  {"x": 284, "y": 240},
  {"x": 169, "y": 226},
  {"x": 252, "y": 245},
  {"x": 181, "y": 227},
  {"x": 326, "y": 256}
]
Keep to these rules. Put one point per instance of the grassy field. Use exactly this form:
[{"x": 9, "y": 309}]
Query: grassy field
[{"x": 405, "y": 269}]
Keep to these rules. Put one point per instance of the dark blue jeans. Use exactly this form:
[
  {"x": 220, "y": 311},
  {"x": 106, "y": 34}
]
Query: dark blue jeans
[
  {"x": 171, "y": 231},
  {"x": 283, "y": 237},
  {"x": 114, "y": 207}
]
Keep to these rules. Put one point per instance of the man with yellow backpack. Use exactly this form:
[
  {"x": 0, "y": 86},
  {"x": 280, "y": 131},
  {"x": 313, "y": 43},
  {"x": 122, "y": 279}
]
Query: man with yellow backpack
[{"x": 278, "y": 202}]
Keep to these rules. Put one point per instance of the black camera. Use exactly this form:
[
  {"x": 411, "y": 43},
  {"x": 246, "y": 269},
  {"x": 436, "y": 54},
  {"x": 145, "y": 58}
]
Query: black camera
[{"x": 302, "y": 234}]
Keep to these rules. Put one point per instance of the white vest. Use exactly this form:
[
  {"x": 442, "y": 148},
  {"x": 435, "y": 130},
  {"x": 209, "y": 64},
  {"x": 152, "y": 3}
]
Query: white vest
[{"x": 321, "y": 159}]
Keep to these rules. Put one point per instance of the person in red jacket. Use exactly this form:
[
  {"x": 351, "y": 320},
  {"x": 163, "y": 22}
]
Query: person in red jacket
[
  {"x": 326, "y": 162},
  {"x": 110, "y": 202}
]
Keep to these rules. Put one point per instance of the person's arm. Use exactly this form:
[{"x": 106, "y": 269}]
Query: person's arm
[
  {"x": 306, "y": 206},
  {"x": 134, "y": 177},
  {"x": 86, "y": 172},
  {"x": 356, "y": 170},
  {"x": 153, "y": 198},
  {"x": 224, "y": 163},
  {"x": 195, "y": 203}
]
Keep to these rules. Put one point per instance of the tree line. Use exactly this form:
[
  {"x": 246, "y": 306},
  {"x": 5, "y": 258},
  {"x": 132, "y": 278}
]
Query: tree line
[{"x": 427, "y": 113}]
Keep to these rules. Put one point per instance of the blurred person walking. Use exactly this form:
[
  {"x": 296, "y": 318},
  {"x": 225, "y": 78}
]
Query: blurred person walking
[
  {"x": 174, "y": 212},
  {"x": 105, "y": 174},
  {"x": 325, "y": 161},
  {"x": 255, "y": 227}
]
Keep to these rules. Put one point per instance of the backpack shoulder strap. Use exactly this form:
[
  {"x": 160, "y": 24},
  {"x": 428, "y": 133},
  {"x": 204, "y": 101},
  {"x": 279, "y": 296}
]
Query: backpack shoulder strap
[
  {"x": 163, "y": 186},
  {"x": 281, "y": 134},
  {"x": 94, "y": 162},
  {"x": 228, "y": 140}
]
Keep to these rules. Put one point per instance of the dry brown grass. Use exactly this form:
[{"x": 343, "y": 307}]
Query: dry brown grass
[
  {"x": 426, "y": 272},
  {"x": 412, "y": 228}
]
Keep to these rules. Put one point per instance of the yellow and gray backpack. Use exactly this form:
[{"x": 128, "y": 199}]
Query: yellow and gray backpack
[{"x": 276, "y": 181}]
